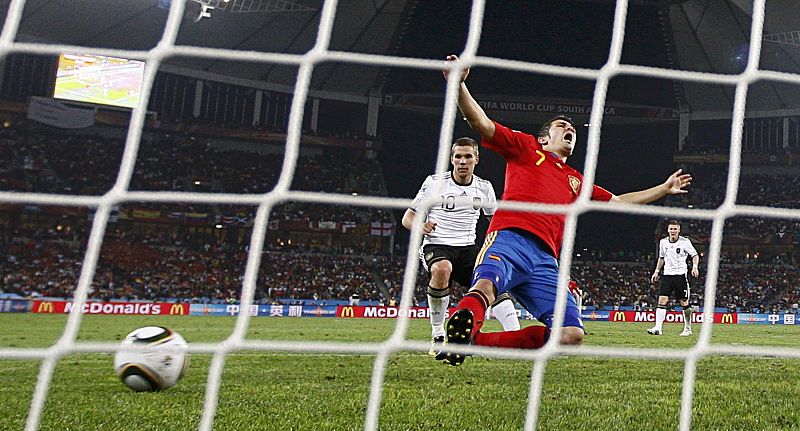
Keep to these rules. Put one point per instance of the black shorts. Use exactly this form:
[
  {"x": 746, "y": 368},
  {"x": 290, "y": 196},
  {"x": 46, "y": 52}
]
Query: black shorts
[
  {"x": 461, "y": 257},
  {"x": 674, "y": 286}
]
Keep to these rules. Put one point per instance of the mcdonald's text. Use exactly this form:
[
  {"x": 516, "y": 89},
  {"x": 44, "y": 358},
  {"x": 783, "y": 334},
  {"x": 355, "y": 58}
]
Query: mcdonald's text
[
  {"x": 369, "y": 311},
  {"x": 671, "y": 317},
  {"x": 124, "y": 308}
]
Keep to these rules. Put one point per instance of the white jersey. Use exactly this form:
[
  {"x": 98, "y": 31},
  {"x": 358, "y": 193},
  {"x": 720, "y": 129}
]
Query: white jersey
[
  {"x": 458, "y": 213},
  {"x": 675, "y": 254}
]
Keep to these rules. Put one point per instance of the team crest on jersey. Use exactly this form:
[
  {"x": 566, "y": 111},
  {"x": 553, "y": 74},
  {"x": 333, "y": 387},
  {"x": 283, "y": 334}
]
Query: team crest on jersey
[
  {"x": 476, "y": 203},
  {"x": 575, "y": 183}
]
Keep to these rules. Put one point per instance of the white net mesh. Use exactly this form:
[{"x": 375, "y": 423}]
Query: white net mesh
[{"x": 397, "y": 342}]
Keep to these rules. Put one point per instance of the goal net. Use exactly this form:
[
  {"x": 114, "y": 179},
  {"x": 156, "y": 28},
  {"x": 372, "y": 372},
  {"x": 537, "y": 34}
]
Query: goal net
[{"x": 398, "y": 342}]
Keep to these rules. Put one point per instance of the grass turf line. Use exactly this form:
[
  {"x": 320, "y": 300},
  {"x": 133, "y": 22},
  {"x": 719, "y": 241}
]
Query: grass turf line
[{"x": 277, "y": 390}]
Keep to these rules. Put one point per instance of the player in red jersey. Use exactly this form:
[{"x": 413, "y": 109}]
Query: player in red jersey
[{"x": 520, "y": 254}]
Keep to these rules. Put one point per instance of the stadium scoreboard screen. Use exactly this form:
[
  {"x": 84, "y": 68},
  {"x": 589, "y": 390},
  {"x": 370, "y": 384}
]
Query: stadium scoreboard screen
[{"x": 99, "y": 79}]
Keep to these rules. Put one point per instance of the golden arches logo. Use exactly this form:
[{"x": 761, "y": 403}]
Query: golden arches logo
[
  {"x": 727, "y": 318},
  {"x": 45, "y": 307},
  {"x": 347, "y": 312},
  {"x": 619, "y": 316},
  {"x": 176, "y": 309}
]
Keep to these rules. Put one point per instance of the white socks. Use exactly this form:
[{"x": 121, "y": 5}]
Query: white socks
[
  {"x": 438, "y": 309},
  {"x": 504, "y": 311},
  {"x": 506, "y": 314},
  {"x": 661, "y": 314},
  {"x": 687, "y": 318}
]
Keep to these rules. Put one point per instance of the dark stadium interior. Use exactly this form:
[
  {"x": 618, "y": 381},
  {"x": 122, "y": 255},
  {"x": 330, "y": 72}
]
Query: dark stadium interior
[{"x": 204, "y": 133}]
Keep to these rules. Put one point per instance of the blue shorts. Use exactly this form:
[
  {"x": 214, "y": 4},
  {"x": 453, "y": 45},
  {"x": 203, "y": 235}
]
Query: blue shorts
[{"x": 520, "y": 263}]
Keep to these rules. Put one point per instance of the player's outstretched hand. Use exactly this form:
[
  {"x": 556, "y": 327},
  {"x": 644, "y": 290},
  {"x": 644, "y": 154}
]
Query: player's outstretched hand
[
  {"x": 446, "y": 72},
  {"x": 574, "y": 289},
  {"x": 677, "y": 182}
]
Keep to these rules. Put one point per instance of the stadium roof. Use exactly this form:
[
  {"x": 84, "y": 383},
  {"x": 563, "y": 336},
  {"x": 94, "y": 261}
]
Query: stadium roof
[
  {"x": 714, "y": 36},
  {"x": 699, "y": 35},
  {"x": 364, "y": 26}
]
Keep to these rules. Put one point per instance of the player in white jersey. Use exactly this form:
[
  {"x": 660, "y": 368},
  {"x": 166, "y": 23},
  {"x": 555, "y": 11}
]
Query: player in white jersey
[
  {"x": 672, "y": 253},
  {"x": 448, "y": 249}
]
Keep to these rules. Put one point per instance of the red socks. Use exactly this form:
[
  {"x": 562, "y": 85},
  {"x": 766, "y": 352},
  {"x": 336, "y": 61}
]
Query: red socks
[
  {"x": 477, "y": 303},
  {"x": 531, "y": 337}
]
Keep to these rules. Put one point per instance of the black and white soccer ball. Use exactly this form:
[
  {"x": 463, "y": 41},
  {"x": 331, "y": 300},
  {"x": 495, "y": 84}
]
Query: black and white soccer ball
[{"x": 158, "y": 365}]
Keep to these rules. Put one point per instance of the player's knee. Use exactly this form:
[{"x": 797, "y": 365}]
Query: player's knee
[
  {"x": 486, "y": 289},
  {"x": 440, "y": 272},
  {"x": 482, "y": 285},
  {"x": 572, "y": 335}
]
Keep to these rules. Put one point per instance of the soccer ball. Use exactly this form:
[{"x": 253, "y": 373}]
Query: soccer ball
[{"x": 158, "y": 365}]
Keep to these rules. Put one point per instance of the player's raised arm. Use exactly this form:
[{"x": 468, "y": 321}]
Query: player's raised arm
[
  {"x": 472, "y": 111},
  {"x": 675, "y": 184}
]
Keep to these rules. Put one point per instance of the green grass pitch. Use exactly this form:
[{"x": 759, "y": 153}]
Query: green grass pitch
[{"x": 284, "y": 391}]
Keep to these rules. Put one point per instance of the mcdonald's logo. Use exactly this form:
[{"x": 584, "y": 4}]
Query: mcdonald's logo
[
  {"x": 45, "y": 307},
  {"x": 347, "y": 312},
  {"x": 176, "y": 309},
  {"x": 619, "y": 316},
  {"x": 727, "y": 318}
]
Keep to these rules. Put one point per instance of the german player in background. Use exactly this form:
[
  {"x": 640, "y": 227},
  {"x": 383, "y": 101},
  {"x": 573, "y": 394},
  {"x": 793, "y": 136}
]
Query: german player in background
[
  {"x": 448, "y": 248},
  {"x": 520, "y": 254},
  {"x": 673, "y": 250}
]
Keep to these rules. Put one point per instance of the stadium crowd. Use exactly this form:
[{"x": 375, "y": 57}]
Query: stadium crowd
[
  {"x": 740, "y": 287},
  {"x": 773, "y": 190},
  {"x": 46, "y": 263},
  {"x": 39, "y": 160},
  {"x": 43, "y": 257}
]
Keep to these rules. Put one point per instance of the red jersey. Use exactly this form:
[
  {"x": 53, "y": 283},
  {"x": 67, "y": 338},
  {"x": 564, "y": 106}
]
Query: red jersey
[{"x": 535, "y": 175}]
